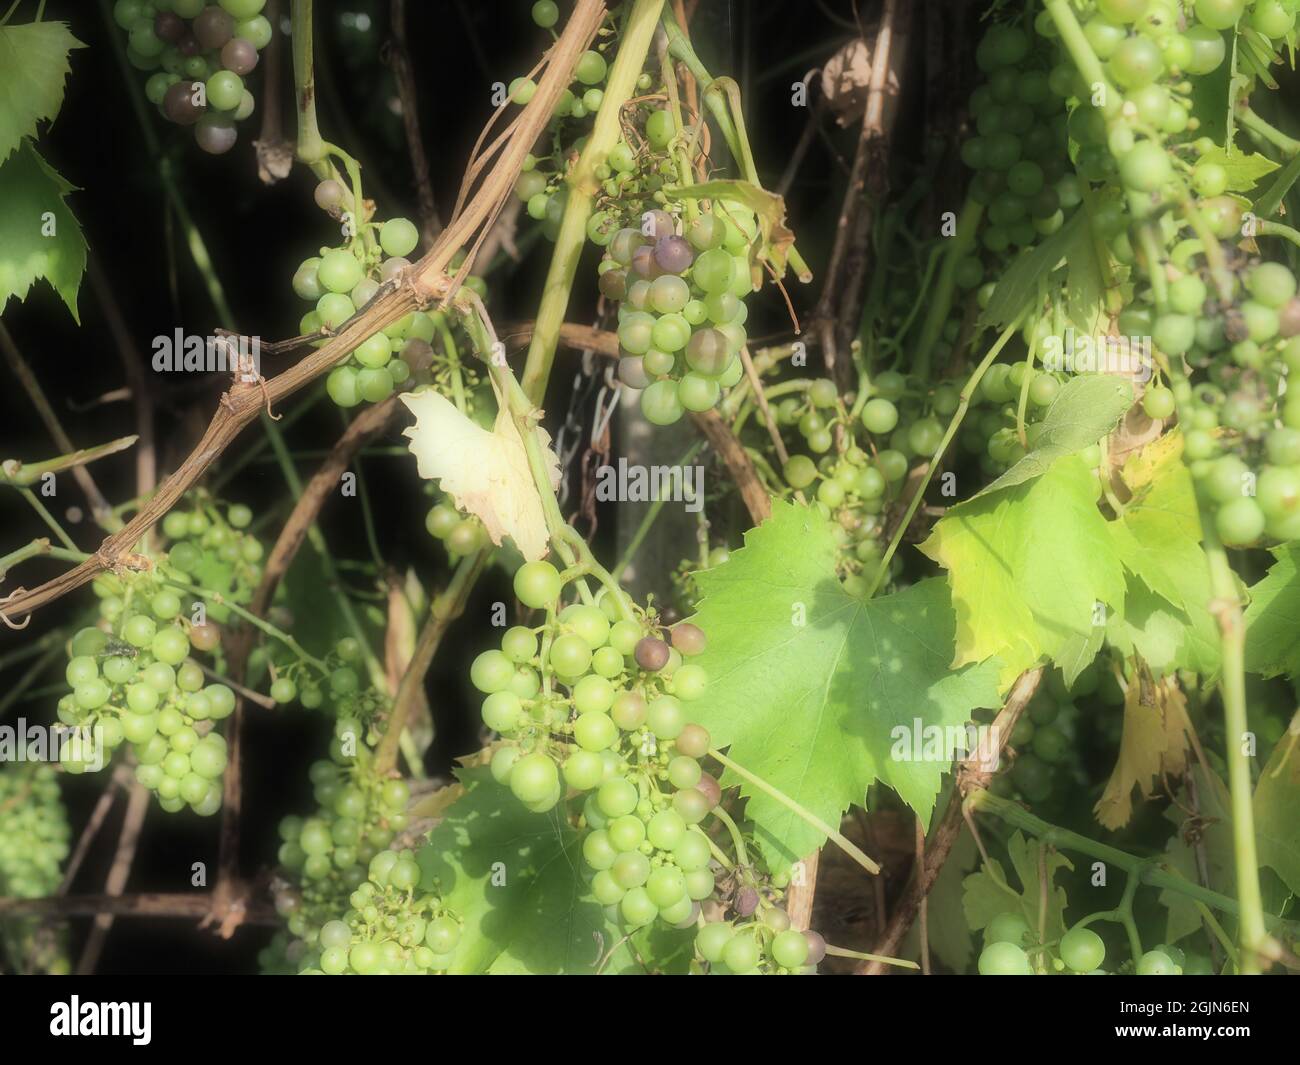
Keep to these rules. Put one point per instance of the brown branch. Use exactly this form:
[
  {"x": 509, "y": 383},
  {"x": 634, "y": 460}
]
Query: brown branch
[
  {"x": 838, "y": 307},
  {"x": 144, "y": 904},
  {"x": 724, "y": 442},
  {"x": 137, "y": 805},
  {"x": 399, "y": 58},
  {"x": 119, "y": 778},
  {"x": 975, "y": 767},
  {"x": 424, "y": 282}
]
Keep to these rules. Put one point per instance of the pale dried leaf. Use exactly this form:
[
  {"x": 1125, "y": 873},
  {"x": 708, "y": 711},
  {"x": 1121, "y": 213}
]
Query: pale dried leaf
[
  {"x": 1154, "y": 743},
  {"x": 485, "y": 473}
]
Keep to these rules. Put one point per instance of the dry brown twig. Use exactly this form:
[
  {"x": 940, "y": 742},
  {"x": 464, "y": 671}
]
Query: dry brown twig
[
  {"x": 398, "y": 56},
  {"x": 426, "y": 281}
]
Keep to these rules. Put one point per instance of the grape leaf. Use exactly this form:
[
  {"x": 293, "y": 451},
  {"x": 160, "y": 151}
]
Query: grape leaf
[
  {"x": 1086, "y": 409},
  {"x": 1159, "y": 540},
  {"x": 987, "y": 894},
  {"x": 1244, "y": 169},
  {"x": 1153, "y": 744},
  {"x": 514, "y": 878},
  {"x": 1150, "y": 628},
  {"x": 39, "y": 236},
  {"x": 808, "y": 684},
  {"x": 1028, "y": 566},
  {"x": 33, "y": 69},
  {"x": 486, "y": 473},
  {"x": 1273, "y": 617},
  {"x": 1277, "y": 800}
]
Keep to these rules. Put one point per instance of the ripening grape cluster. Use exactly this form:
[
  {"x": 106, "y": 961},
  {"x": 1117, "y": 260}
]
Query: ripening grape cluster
[
  {"x": 392, "y": 928},
  {"x": 1011, "y": 949},
  {"x": 214, "y": 549},
  {"x": 681, "y": 315},
  {"x": 34, "y": 831},
  {"x": 327, "y": 855},
  {"x": 200, "y": 55},
  {"x": 1163, "y": 203},
  {"x": 593, "y": 701}
]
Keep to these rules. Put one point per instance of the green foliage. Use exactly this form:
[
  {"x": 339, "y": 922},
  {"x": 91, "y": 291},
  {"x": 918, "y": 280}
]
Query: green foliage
[
  {"x": 33, "y": 69},
  {"x": 39, "y": 236},
  {"x": 807, "y": 682},
  {"x": 1273, "y": 617},
  {"x": 988, "y": 893}
]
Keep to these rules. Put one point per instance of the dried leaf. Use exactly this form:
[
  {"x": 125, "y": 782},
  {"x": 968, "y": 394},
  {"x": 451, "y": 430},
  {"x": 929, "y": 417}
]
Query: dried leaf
[
  {"x": 1154, "y": 743},
  {"x": 486, "y": 473}
]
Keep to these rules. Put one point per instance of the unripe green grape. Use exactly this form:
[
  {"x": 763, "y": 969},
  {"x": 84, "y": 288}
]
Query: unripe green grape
[
  {"x": 537, "y": 583},
  {"x": 534, "y": 777},
  {"x": 1239, "y": 522},
  {"x": 1156, "y": 962},
  {"x": 660, "y": 403},
  {"x": 1004, "y": 959},
  {"x": 879, "y": 416}
]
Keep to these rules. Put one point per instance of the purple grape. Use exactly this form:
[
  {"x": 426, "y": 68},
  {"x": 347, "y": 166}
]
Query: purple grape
[
  {"x": 238, "y": 55},
  {"x": 816, "y": 947},
  {"x": 643, "y": 262},
  {"x": 661, "y": 223},
  {"x": 179, "y": 106},
  {"x": 188, "y": 46},
  {"x": 169, "y": 26},
  {"x": 651, "y": 654},
  {"x": 631, "y": 371},
  {"x": 688, "y": 638},
  {"x": 746, "y": 901},
  {"x": 213, "y": 27},
  {"x": 707, "y": 352},
  {"x": 709, "y": 787},
  {"x": 613, "y": 284},
  {"x": 417, "y": 354},
  {"x": 215, "y": 134},
  {"x": 673, "y": 255}
]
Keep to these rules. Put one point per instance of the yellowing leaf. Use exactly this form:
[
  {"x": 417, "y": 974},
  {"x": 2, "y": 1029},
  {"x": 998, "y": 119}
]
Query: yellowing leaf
[
  {"x": 1154, "y": 743},
  {"x": 1027, "y": 566},
  {"x": 486, "y": 473}
]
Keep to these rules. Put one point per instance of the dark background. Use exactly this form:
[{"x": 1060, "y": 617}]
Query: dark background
[{"x": 256, "y": 236}]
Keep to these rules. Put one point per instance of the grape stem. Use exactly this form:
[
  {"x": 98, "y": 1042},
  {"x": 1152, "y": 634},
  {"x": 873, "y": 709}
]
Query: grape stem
[
  {"x": 807, "y": 816},
  {"x": 1147, "y": 872},
  {"x": 1267, "y": 132},
  {"x": 845, "y": 952},
  {"x": 634, "y": 48},
  {"x": 940, "y": 302},
  {"x": 967, "y": 392},
  {"x": 737, "y": 840},
  {"x": 258, "y": 623},
  {"x": 1265, "y": 228}
]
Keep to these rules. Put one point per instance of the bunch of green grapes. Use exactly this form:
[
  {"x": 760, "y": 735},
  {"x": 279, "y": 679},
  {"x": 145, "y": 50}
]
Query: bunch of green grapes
[
  {"x": 597, "y": 707},
  {"x": 325, "y": 856},
  {"x": 1164, "y": 208},
  {"x": 762, "y": 944},
  {"x": 1010, "y": 946},
  {"x": 392, "y": 927},
  {"x": 132, "y": 678},
  {"x": 34, "y": 842},
  {"x": 200, "y": 55},
  {"x": 34, "y": 831},
  {"x": 214, "y": 549}
]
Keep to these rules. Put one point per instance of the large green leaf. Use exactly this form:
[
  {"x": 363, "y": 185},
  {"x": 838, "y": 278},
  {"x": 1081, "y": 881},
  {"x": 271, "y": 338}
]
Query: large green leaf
[
  {"x": 1277, "y": 810},
  {"x": 1027, "y": 566},
  {"x": 39, "y": 237},
  {"x": 1273, "y": 617},
  {"x": 33, "y": 70},
  {"x": 808, "y": 683},
  {"x": 1085, "y": 410},
  {"x": 1159, "y": 539},
  {"x": 514, "y": 878},
  {"x": 988, "y": 893}
]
